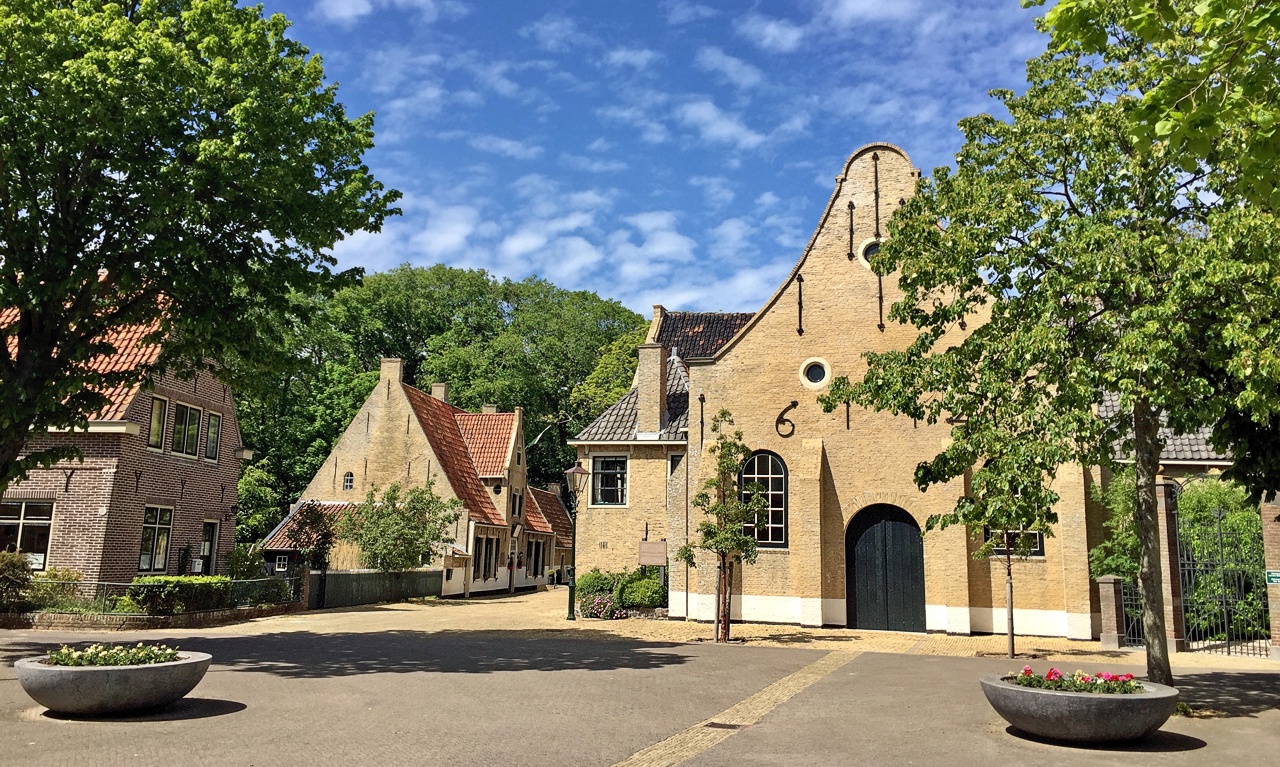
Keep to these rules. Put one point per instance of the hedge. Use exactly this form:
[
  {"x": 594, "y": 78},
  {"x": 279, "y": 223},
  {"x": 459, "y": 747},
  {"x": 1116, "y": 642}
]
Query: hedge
[{"x": 170, "y": 594}]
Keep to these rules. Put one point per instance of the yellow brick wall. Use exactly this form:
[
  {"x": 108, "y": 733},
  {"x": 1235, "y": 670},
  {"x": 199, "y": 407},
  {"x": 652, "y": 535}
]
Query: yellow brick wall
[{"x": 609, "y": 536}]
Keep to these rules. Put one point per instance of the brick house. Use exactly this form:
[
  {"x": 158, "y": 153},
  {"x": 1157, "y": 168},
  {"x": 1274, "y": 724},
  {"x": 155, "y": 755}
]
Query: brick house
[
  {"x": 842, "y": 546},
  {"x": 156, "y": 487},
  {"x": 510, "y": 535}
]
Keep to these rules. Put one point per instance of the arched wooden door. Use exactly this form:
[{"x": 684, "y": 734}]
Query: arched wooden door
[{"x": 884, "y": 570}]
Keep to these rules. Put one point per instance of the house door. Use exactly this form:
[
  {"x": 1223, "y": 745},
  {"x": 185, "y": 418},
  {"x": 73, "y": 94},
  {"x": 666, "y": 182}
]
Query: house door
[
  {"x": 884, "y": 570},
  {"x": 208, "y": 548}
]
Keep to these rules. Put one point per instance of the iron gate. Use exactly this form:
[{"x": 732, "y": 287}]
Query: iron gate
[
  {"x": 1131, "y": 599},
  {"x": 1224, "y": 590}
]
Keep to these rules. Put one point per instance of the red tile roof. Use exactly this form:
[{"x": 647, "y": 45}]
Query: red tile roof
[
  {"x": 281, "y": 538},
  {"x": 131, "y": 354},
  {"x": 551, "y": 512},
  {"x": 488, "y": 437},
  {"x": 440, "y": 424}
]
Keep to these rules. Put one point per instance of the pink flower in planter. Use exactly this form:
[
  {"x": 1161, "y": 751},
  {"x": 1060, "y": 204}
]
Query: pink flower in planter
[
  {"x": 1086, "y": 678},
  {"x": 1026, "y": 671},
  {"x": 1053, "y": 675},
  {"x": 1127, "y": 678},
  {"x": 1107, "y": 677}
]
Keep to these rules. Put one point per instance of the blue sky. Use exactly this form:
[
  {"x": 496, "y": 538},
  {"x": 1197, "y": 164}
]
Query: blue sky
[{"x": 655, "y": 152}]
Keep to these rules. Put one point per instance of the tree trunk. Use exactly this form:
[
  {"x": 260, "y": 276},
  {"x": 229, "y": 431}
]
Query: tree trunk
[
  {"x": 1146, "y": 455},
  {"x": 1008, "y": 594},
  {"x": 719, "y": 582},
  {"x": 728, "y": 600}
]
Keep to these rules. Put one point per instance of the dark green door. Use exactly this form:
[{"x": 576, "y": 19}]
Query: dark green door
[{"x": 884, "y": 570}]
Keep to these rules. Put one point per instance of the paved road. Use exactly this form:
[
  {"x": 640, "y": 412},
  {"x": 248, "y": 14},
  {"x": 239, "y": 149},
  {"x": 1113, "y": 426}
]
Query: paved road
[{"x": 312, "y": 693}]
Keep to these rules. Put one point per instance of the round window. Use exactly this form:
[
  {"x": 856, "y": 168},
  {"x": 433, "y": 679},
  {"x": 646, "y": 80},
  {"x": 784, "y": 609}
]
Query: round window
[
  {"x": 871, "y": 250},
  {"x": 815, "y": 372}
]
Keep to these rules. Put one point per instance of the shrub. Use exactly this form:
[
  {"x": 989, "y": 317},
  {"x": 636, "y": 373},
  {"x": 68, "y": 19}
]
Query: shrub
[
  {"x": 595, "y": 582},
  {"x": 601, "y": 606},
  {"x": 169, "y": 594},
  {"x": 125, "y": 606},
  {"x": 647, "y": 593},
  {"x": 261, "y": 591},
  {"x": 244, "y": 562},
  {"x": 118, "y": 655},
  {"x": 55, "y": 586},
  {"x": 1121, "y": 684},
  {"x": 15, "y": 576}
]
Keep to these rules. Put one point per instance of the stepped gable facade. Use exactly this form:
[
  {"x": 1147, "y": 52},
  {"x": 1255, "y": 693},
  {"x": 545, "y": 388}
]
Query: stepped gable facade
[
  {"x": 402, "y": 434},
  {"x": 842, "y": 545}
]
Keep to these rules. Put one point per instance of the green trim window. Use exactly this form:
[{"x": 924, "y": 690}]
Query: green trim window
[
  {"x": 186, "y": 429},
  {"x": 24, "y": 528},
  {"x": 157, "y": 527},
  {"x": 159, "y": 411},
  {"x": 211, "y": 435}
]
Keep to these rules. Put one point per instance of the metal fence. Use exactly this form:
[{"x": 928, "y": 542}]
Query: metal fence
[
  {"x": 1131, "y": 597},
  {"x": 1224, "y": 592},
  {"x": 99, "y": 597}
]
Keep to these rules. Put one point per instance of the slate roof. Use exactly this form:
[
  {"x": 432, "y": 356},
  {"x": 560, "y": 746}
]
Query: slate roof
[
  {"x": 131, "y": 353},
  {"x": 439, "y": 422},
  {"x": 697, "y": 335},
  {"x": 488, "y": 437},
  {"x": 552, "y": 513},
  {"x": 618, "y": 422},
  {"x": 279, "y": 539},
  {"x": 1177, "y": 447}
]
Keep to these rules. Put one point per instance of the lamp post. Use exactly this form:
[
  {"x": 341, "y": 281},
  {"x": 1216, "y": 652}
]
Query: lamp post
[{"x": 576, "y": 484}]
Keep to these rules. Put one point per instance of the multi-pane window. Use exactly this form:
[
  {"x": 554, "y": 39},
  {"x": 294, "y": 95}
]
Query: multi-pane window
[
  {"x": 517, "y": 505},
  {"x": 348, "y": 481},
  {"x": 477, "y": 560},
  {"x": 157, "y": 524},
  {"x": 211, "y": 434},
  {"x": 769, "y": 473},
  {"x": 1017, "y": 542},
  {"x": 159, "y": 409},
  {"x": 24, "y": 528},
  {"x": 535, "y": 554},
  {"x": 282, "y": 563},
  {"x": 609, "y": 481},
  {"x": 186, "y": 429}
]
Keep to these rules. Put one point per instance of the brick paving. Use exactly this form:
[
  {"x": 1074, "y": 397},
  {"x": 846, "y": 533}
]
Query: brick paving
[{"x": 509, "y": 681}]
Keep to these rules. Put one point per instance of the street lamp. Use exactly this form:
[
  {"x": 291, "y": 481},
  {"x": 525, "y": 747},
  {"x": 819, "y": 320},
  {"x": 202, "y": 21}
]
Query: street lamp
[{"x": 576, "y": 483}]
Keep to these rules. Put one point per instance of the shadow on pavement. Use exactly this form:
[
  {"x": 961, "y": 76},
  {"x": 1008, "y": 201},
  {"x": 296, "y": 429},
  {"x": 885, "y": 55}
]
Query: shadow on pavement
[
  {"x": 187, "y": 708},
  {"x": 1162, "y": 742},
  {"x": 1229, "y": 693},
  {"x": 307, "y": 655}
]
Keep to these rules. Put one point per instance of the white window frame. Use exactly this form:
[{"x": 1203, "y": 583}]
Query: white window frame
[
  {"x": 348, "y": 476},
  {"x": 217, "y": 444},
  {"x": 282, "y": 563},
  {"x": 157, "y": 527},
  {"x": 22, "y": 522},
  {"x": 626, "y": 481},
  {"x": 173, "y": 448},
  {"x": 164, "y": 422}
]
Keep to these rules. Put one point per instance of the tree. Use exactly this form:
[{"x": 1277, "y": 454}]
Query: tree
[
  {"x": 258, "y": 508},
  {"x": 727, "y": 508},
  {"x": 612, "y": 377},
  {"x": 1090, "y": 264},
  {"x": 178, "y": 166},
  {"x": 1118, "y": 552},
  {"x": 402, "y": 530},
  {"x": 1214, "y": 90}
]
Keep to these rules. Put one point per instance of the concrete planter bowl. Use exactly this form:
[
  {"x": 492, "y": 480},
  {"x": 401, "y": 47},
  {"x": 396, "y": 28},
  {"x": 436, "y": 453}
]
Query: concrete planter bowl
[
  {"x": 1081, "y": 717},
  {"x": 101, "y": 690}
]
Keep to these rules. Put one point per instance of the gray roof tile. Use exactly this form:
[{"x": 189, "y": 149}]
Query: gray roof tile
[
  {"x": 698, "y": 335},
  {"x": 618, "y": 422},
  {"x": 1177, "y": 447}
]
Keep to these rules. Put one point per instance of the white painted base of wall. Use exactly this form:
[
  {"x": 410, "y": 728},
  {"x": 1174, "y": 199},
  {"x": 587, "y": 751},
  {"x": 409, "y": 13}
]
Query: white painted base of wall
[
  {"x": 831, "y": 612},
  {"x": 455, "y": 583}
]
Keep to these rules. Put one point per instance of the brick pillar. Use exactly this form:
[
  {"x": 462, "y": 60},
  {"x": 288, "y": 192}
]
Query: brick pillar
[
  {"x": 1167, "y": 516},
  {"x": 1271, "y": 547},
  {"x": 1112, "y": 603}
]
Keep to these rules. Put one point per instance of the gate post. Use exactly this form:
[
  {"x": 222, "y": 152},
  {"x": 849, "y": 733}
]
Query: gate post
[
  {"x": 1271, "y": 548},
  {"x": 1112, "y": 603},
  {"x": 1170, "y": 571}
]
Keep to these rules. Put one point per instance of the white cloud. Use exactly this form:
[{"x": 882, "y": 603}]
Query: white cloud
[
  {"x": 731, "y": 241},
  {"x": 846, "y": 13},
  {"x": 636, "y": 58},
  {"x": 447, "y": 230},
  {"x": 718, "y": 126},
  {"x": 715, "y": 189},
  {"x": 601, "y": 144},
  {"x": 735, "y": 70},
  {"x": 517, "y": 150},
  {"x": 592, "y": 164},
  {"x": 767, "y": 200},
  {"x": 680, "y": 12},
  {"x": 651, "y": 130},
  {"x": 558, "y": 34},
  {"x": 773, "y": 35},
  {"x": 346, "y": 12}
]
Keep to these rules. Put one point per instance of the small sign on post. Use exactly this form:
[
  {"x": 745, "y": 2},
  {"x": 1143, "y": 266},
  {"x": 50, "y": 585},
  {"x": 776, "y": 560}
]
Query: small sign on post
[
  {"x": 1273, "y": 577},
  {"x": 653, "y": 553}
]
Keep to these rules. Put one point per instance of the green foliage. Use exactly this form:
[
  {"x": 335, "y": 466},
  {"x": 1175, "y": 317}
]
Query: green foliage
[
  {"x": 611, "y": 379},
  {"x": 171, "y": 594},
  {"x": 646, "y": 593},
  {"x": 595, "y": 582},
  {"x": 15, "y": 575},
  {"x": 260, "y": 591},
  {"x": 116, "y": 655},
  {"x": 244, "y": 562},
  {"x": 1102, "y": 683},
  {"x": 258, "y": 508},
  {"x": 182, "y": 166},
  {"x": 402, "y": 530},
  {"x": 125, "y": 606},
  {"x": 1119, "y": 550},
  {"x": 601, "y": 606},
  {"x": 55, "y": 588},
  {"x": 312, "y": 535}
]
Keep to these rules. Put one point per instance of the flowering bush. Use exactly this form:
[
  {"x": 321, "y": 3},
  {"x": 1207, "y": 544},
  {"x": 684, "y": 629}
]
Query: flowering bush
[
  {"x": 1078, "y": 682},
  {"x": 601, "y": 606},
  {"x": 118, "y": 655}
]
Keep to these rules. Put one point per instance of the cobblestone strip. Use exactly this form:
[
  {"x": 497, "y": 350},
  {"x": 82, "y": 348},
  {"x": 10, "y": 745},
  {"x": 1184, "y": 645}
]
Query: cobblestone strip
[{"x": 702, "y": 736}]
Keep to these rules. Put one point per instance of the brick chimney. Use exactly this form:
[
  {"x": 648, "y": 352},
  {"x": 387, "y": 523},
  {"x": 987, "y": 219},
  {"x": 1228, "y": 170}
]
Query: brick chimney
[
  {"x": 440, "y": 391},
  {"x": 392, "y": 369},
  {"x": 651, "y": 384},
  {"x": 554, "y": 488},
  {"x": 487, "y": 408}
]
